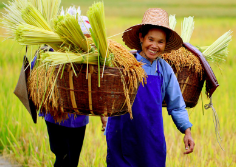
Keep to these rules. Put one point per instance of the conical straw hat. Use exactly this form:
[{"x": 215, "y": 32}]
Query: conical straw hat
[{"x": 157, "y": 17}]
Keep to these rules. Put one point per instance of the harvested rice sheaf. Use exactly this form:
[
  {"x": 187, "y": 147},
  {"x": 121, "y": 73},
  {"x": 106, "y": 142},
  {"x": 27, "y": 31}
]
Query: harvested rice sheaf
[
  {"x": 183, "y": 58},
  {"x": 123, "y": 58},
  {"x": 44, "y": 93},
  {"x": 131, "y": 67}
]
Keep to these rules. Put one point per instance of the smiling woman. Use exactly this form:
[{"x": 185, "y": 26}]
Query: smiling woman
[
  {"x": 141, "y": 141},
  {"x": 153, "y": 42}
]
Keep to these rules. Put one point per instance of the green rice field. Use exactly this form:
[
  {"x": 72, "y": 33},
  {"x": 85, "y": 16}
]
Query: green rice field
[{"x": 27, "y": 144}]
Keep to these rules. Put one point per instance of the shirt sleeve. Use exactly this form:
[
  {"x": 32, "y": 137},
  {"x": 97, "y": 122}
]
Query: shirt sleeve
[{"x": 174, "y": 100}]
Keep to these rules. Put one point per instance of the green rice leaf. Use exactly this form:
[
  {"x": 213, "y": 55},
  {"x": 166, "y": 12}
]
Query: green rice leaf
[
  {"x": 32, "y": 16},
  {"x": 172, "y": 22},
  {"x": 96, "y": 17},
  {"x": 68, "y": 28},
  {"x": 56, "y": 58},
  {"x": 30, "y": 35},
  {"x": 218, "y": 50},
  {"x": 187, "y": 28},
  {"x": 12, "y": 16}
]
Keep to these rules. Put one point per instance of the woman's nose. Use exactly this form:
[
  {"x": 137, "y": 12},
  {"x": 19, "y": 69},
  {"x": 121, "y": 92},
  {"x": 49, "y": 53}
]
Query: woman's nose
[{"x": 155, "y": 45}]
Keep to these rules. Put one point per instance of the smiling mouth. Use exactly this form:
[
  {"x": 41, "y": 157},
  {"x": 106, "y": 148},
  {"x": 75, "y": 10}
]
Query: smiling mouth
[{"x": 152, "y": 51}]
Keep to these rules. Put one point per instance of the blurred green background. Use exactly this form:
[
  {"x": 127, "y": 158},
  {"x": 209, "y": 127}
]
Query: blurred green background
[{"x": 136, "y": 8}]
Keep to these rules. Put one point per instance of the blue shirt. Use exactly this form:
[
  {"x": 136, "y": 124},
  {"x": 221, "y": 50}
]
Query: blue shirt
[{"x": 170, "y": 91}]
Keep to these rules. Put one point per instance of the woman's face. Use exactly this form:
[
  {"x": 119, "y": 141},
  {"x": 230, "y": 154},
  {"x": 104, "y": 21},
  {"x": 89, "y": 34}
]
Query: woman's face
[{"x": 153, "y": 44}]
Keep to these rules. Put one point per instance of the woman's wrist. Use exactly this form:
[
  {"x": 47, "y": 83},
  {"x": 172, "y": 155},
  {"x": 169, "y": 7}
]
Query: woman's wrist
[{"x": 187, "y": 131}]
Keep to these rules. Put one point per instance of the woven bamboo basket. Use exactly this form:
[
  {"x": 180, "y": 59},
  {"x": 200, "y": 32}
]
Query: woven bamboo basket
[
  {"x": 80, "y": 95},
  {"x": 191, "y": 84}
]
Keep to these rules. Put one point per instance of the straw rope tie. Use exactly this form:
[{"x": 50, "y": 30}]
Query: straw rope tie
[
  {"x": 215, "y": 120},
  {"x": 72, "y": 93},
  {"x": 184, "y": 86},
  {"x": 91, "y": 69}
]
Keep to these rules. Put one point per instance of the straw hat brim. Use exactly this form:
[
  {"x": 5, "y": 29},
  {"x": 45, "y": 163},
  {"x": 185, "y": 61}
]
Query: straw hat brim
[{"x": 131, "y": 38}]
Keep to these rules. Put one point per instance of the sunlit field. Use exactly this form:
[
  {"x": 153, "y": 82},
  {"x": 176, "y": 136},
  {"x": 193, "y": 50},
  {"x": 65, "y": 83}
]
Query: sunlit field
[{"x": 27, "y": 143}]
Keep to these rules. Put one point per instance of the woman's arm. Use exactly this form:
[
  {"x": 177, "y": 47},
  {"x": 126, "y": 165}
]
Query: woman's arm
[
  {"x": 174, "y": 100},
  {"x": 176, "y": 107}
]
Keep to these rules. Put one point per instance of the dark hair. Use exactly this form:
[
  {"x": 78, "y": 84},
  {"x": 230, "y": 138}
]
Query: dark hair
[{"x": 147, "y": 27}]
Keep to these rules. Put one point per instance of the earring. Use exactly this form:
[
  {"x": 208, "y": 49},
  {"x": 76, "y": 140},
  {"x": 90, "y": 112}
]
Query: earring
[{"x": 141, "y": 44}]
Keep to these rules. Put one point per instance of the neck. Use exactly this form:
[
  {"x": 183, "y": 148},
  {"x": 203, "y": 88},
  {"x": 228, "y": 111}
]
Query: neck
[{"x": 144, "y": 55}]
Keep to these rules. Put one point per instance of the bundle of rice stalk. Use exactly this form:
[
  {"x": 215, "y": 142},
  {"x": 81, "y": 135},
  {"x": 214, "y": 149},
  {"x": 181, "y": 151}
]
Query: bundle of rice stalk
[
  {"x": 98, "y": 31},
  {"x": 31, "y": 15},
  {"x": 69, "y": 30},
  {"x": 172, "y": 22},
  {"x": 124, "y": 59},
  {"x": 217, "y": 51},
  {"x": 217, "y": 57},
  {"x": 12, "y": 18},
  {"x": 56, "y": 58},
  {"x": 183, "y": 58},
  {"x": 187, "y": 28},
  {"x": 44, "y": 93},
  {"x": 44, "y": 8},
  {"x": 30, "y": 35},
  {"x": 48, "y": 8},
  {"x": 131, "y": 68}
]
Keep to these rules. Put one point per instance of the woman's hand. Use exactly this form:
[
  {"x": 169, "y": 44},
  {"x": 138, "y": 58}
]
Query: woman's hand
[
  {"x": 188, "y": 141},
  {"x": 104, "y": 122}
]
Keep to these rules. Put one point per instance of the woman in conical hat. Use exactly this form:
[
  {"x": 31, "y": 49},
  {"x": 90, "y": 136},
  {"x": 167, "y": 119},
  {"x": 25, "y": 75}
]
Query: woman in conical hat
[{"x": 141, "y": 141}]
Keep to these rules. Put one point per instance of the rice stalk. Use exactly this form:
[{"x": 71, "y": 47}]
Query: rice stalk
[
  {"x": 30, "y": 35},
  {"x": 31, "y": 15},
  {"x": 50, "y": 10},
  {"x": 56, "y": 58},
  {"x": 172, "y": 22},
  {"x": 45, "y": 80},
  {"x": 12, "y": 18},
  {"x": 68, "y": 28},
  {"x": 96, "y": 17},
  {"x": 124, "y": 59},
  {"x": 217, "y": 51},
  {"x": 187, "y": 27},
  {"x": 183, "y": 58},
  {"x": 130, "y": 67}
]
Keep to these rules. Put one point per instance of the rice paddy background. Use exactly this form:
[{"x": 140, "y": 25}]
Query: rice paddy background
[{"x": 27, "y": 143}]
